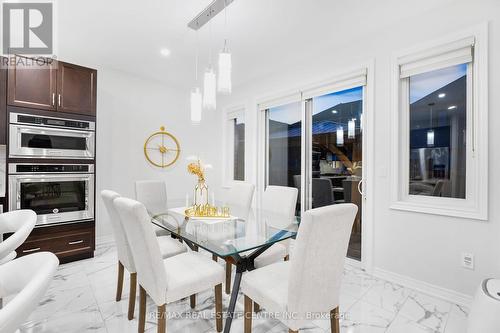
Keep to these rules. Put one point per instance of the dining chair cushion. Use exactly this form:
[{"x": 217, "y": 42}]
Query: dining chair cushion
[
  {"x": 239, "y": 198},
  {"x": 156, "y": 275},
  {"x": 122, "y": 247},
  {"x": 191, "y": 273},
  {"x": 281, "y": 200},
  {"x": 153, "y": 195},
  {"x": 276, "y": 252},
  {"x": 268, "y": 286},
  {"x": 310, "y": 282},
  {"x": 170, "y": 247},
  {"x": 20, "y": 223}
]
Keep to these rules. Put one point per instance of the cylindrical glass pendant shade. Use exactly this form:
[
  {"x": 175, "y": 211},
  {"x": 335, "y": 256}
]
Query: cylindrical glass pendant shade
[
  {"x": 340, "y": 136},
  {"x": 224, "y": 85},
  {"x": 196, "y": 101},
  {"x": 351, "y": 129},
  {"x": 209, "y": 89},
  {"x": 430, "y": 138}
]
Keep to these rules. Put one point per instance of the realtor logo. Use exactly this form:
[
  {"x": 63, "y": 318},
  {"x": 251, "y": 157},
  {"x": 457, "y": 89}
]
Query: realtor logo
[{"x": 27, "y": 28}]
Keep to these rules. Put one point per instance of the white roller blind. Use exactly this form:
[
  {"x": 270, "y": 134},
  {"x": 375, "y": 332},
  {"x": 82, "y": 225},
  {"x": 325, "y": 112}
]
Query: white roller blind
[
  {"x": 341, "y": 82},
  {"x": 279, "y": 101},
  {"x": 456, "y": 53}
]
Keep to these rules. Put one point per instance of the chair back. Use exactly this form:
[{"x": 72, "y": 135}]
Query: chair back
[
  {"x": 152, "y": 194},
  {"x": 280, "y": 200},
  {"x": 317, "y": 266},
  {"x": 239, "y": 197},
  {"x": 144, "y": 247},
  {"x": 28, "y": 278},
  {"x": 322, "y": 192},
  {"x": 20, "y": 223},
  {"x": 122, "y": 246}
]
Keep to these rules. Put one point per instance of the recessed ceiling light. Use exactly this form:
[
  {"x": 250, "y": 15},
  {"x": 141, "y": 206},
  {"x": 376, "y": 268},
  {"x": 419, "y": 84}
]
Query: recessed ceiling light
[
  {"x": 452, "y": 107},
  {"x": 441, "y": 95},
  {"x": 165, "y": 52},
  {"x": 334, "y": 111}
]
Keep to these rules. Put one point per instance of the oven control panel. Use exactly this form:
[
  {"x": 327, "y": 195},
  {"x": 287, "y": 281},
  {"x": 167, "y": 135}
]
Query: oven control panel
[
  {"x": 50, "y": 168},
  {"x": 18, "y": 118}
]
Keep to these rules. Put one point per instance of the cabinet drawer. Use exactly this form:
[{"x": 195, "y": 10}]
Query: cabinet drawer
[{"x": 67, "y": 242}]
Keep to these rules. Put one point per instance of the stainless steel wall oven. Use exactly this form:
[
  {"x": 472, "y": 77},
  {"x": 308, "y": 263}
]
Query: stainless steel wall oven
[
  {"x": 33, "y": 136},
  {"x": 56, "y": 192}
]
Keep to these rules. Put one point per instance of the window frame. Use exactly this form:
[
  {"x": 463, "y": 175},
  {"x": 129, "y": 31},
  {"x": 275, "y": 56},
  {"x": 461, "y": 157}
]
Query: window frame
[
  {"x": 231, "y": 114},
  {"x": 475, "y": 205}
]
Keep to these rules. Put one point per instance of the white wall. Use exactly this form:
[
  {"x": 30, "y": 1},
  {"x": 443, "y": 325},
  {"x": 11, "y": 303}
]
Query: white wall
[
  {"x": 420, "y": 246},
  {"x": 129, "y": 109}
]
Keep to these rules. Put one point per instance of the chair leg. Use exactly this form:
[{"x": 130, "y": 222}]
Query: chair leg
[
  {"x": 256, "y": 307},
  {"x": 218, "y": 307},
  {"x": 119, "y": 285},
  {"x": 334, "y": 320},
  {"x": 287, "y": 257},
  {"x": 214, "y": 257},
  {"x": 162, "y": 319},
  {"x": 142, "y": 309},
  {"x": 229, "y": 267},
  {"x": 248, "y": 315},
  {"x": 192, "y": 301},
  {"x": 131, "y": 299}
]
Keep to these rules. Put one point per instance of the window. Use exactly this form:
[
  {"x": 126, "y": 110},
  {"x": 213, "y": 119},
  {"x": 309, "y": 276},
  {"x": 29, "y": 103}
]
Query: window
[
  {"x": 235, "y": 145},
  {"x": 239, "y": 149},
  {"x": 440, "y": 132}
]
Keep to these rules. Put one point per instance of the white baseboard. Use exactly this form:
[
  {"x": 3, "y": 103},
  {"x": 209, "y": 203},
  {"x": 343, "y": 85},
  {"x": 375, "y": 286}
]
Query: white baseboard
[{"x": 425, "y": 287}]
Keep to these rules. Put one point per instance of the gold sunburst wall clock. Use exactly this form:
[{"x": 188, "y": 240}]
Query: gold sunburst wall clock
[{"x": 162, "y": 149}]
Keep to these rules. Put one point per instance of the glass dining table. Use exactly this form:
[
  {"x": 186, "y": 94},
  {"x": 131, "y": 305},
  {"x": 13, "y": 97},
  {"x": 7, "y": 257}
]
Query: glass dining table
[{"x": 238, "y": 239}]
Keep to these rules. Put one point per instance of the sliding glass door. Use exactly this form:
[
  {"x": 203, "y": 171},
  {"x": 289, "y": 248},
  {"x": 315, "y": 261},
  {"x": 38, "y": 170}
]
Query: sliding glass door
[
  {"x": 314, "y": 141},
  {"x": 284, "y": 146},
  {"x": 336, "y": 154}
]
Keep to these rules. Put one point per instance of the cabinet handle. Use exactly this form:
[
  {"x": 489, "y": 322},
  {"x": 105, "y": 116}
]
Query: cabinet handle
[
  {"x": 53, "y": 99},
  {"x": 31, "y": 250},
  {"x": 76, "y": 242},
  {"x": 59, "y": 99}
]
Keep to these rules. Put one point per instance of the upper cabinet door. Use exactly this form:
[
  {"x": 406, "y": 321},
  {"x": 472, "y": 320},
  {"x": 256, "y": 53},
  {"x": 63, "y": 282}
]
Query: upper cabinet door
[
  {"x": 31, "y": 86},
  {"x": 76, "y": 89}
]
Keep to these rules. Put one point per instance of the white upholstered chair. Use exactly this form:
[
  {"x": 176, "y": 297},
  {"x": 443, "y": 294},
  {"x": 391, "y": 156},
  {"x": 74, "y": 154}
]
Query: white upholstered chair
[
  {"x": 168, "y": 248},
  {"x": 153, "y": 195},
  {"x": 20, "y": 223},
  {"x": 26, "y": 279},
  {"x": 165, "y": 280},
  {"x": 279, "y": 201},
  {"x": 310, "y": 282}
]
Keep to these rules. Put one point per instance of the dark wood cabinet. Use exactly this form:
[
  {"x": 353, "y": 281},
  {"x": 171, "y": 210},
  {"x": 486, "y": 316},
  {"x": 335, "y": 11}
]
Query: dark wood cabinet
[
  {"x": 58, "y": 86},
  {"x": 31, "y": 86},
  {"x": 76, "y": 87},
  {"x": 68, "y": 242}
]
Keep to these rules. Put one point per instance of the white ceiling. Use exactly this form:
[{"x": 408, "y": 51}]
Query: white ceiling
[{"x": 265, "y": 35}]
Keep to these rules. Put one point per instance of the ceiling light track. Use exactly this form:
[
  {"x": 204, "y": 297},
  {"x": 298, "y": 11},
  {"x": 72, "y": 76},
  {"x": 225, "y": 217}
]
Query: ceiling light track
[{"x": 209, "y": 13}]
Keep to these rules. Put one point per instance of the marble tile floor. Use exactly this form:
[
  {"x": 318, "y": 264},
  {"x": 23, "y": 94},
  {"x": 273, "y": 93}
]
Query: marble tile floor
[{"x": 81, "y": 299}]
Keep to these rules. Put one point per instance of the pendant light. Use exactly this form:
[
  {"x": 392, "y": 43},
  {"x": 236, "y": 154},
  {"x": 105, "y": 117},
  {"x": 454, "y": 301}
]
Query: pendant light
[
  {"x": 340, "y": 136},
  {"x": 430, "y": 132},
  {"x": 224, "y": 84},
  {"x": 351, "y": 129},
  {"x": 210, "y": 82},
  {"x": 196, "y": 99}
]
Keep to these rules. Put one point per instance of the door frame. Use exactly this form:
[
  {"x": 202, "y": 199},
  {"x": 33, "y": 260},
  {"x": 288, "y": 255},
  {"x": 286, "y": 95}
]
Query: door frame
[{"x": 367, "y": 243}]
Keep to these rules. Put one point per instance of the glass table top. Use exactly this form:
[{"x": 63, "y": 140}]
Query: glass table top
[{"x": 246, "y": 229}]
